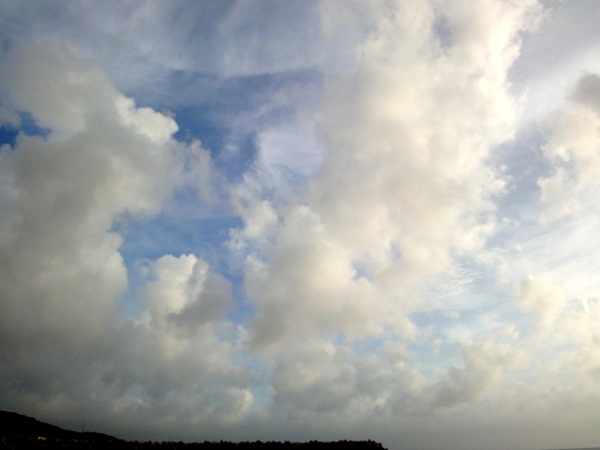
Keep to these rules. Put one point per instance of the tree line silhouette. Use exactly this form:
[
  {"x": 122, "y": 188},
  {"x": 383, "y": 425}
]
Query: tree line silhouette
[{"x": 22, "y": 432}]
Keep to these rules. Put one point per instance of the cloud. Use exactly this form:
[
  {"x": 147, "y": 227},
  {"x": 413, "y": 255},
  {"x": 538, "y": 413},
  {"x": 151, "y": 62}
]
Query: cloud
[
  {"x": 481, "y": 373},
  {"x": 103, "y": 158},
  {"x": 187, "y": 345},
  {"x": 541, "y": 296},
  {"x": 347, "y": 264},
  {"x": 143, "y": 43},
  {"x": 572, "y": 149},
  {"x": 9, "y": 118},
  {"x": 185, "y": 294},
  {"x": 555, "y": 55},
  {"x": 406, "y": 151},
  {"x": 62, "y": 275},
  {"x": 405, "y": 189}
]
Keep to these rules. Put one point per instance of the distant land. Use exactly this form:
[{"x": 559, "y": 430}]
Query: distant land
[
  {"x": 17, "y": 425},
  {"x": 19, "y": 432}
]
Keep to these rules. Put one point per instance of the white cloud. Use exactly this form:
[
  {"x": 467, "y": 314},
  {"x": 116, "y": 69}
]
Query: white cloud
[
  {"x": 370, "y": 289},
  {"x": 405, "y": 183},
  {"x": 572, "y": 149},
  {"x": 187, "y": 344},
  {"x": 62, "y": 274},
  {"x": 482, "y": 371},
  {"x": 185, "y": 294},
  {"x": 555, "y": 55},
  {"x": 542, "y": 297},
  {"x": 406, "y": 188},
  {"x": 103, "y": 158}
]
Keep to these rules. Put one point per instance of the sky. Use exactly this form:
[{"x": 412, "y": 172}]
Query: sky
[{"x": 303, "y": 220}]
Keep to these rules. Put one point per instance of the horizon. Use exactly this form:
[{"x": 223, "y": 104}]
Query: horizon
[
  {"x": 307, "y": 219},
  {"x": 238, "y": 442}
]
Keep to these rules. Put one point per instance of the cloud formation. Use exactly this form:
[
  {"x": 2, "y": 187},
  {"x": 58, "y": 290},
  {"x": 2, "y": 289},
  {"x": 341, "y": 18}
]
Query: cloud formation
[
  {"x": 298, "y": 221},
  {"x": 103, "y": 160},
  {"x": 103, "y": 157}
]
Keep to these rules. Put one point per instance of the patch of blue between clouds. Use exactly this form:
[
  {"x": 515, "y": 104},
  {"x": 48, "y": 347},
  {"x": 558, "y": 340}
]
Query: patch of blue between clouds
[
  {"x": 186, "y": 225},
  {"x": 172, "y": 233},
  {"x": 28, "y": 126},
  {"x": 226, "y": 116},
  {"x": 436, "y": 351},
  {"x": 523, "y": 160},
  {"x": 231, "y": 156},
  {"x": 8, "y": 135}
]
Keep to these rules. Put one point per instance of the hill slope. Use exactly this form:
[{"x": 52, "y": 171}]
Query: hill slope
[{"x": 13, "y": 424}]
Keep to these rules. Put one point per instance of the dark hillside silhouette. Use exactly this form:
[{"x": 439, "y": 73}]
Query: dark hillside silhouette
[
  {"x": 13, "y": 424},
  {"x": 21, "y": 432}
]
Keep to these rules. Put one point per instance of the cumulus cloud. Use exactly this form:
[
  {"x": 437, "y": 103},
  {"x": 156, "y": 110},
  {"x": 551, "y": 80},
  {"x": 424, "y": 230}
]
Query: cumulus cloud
[
  {"x": 406, "y": 187},
  {"x": 103, "y": 157},
  {"x": 542, "y": 297},
  {"x": 482, "y": 371},
  {"x": 367, "y": 279},
  {"x": 185, "y": 294},
  {"x": 184, "y": 329},
  {"x": 573, "y": 152},
  {"x": 62, "y": 274},
  {"x": 407, "y": 150}
]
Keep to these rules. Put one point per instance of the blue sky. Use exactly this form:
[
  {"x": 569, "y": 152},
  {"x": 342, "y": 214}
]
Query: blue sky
[{"x": 298, "y": 220}]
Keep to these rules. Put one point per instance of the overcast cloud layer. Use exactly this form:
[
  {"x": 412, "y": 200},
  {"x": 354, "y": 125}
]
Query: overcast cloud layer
[{"x": 302, "y": 220}]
